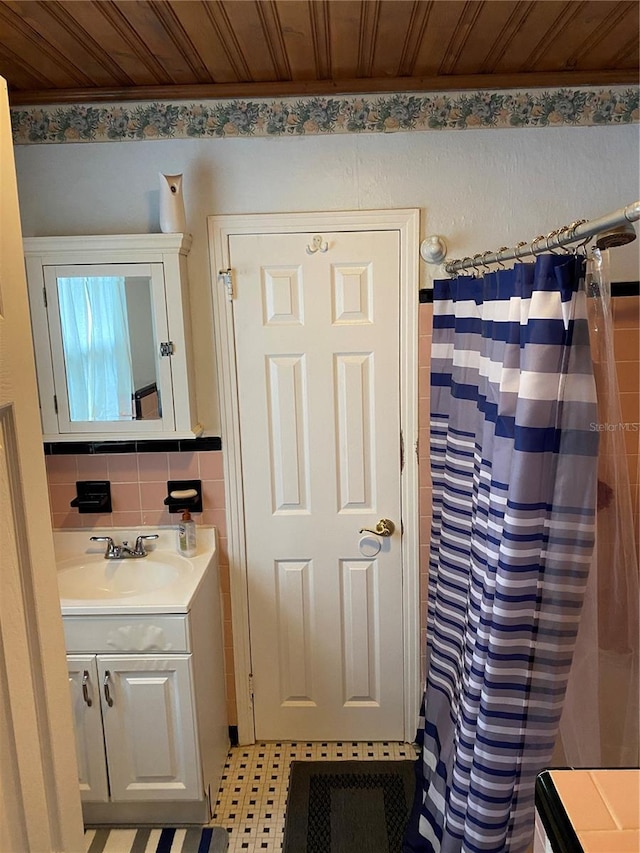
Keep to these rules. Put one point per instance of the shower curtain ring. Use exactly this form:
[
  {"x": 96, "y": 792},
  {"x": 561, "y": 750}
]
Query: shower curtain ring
[
  {"x": 563, "y": 235},
  {"x": 536, "y": 240},
  {"x": 498, "y": 253},
  {"x": 519, "y": 246},
  {"x": 449, "y": 267},
  {"x": 468, "y": 258},
  {"x": 571, "y": 234},
  {"x": 484, "y": 264},
  {"x": 550, "y": 236}
]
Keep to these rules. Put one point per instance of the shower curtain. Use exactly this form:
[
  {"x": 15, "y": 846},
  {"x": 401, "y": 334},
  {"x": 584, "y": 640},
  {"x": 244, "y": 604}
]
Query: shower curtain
[
  {"x": 513, "y": 463},
  {"x": 601, "y": 715}
]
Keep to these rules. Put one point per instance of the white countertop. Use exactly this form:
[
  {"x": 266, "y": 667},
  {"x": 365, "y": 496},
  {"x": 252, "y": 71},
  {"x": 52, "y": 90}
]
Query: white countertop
[{"x": 173, "y": 598}]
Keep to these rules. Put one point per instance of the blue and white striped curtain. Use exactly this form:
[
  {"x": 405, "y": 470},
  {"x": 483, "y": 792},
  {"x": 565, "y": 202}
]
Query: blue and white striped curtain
[{"x": 513, "y": 463}]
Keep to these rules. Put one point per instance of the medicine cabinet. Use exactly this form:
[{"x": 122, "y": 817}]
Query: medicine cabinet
[{"x": 111, "y": 329}]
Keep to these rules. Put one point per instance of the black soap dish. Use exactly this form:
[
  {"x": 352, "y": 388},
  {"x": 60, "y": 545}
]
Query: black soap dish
[
  {"x": 180, "y": 503},
  {"x": 92, "y": 496}
]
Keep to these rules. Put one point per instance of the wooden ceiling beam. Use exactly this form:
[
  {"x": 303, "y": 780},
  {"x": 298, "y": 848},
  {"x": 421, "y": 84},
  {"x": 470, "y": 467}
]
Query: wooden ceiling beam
[
  {"x": 370, "y": 15},
  {"x": 26, "y": 37},
  {"x": 628, "y": 53},
  {"x": 570, "y": 13},
  {"x": 415, "y": 33},
  {"x": 24, "y": 73},
  {"x": 328, "y": 88},
  {"x": 464, "y": 28},
  {"x": 321, "y": 34},
  {"x": 167, "y": 40},
  {"x": 268, "y": 13},
  {"x": 516, "y": 20},
  {"x": 219, "y": 20}
]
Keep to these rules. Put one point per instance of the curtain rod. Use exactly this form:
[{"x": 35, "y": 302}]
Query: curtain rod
[{"x": 433, "y": 250}]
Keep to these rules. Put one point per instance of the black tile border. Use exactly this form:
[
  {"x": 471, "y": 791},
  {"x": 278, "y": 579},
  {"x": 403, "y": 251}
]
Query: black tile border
[
  {"x": 618, "y": 288},
  {"x": 560, "y": 832},
  {"x": 163, "y": 445},
  {"x": 625, "y": 288}
]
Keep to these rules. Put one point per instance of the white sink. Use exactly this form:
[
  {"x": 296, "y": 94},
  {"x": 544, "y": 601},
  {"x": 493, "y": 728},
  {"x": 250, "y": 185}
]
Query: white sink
[
  {"x": 162, "y": 582},
  {"x": 91, "y": 576}
]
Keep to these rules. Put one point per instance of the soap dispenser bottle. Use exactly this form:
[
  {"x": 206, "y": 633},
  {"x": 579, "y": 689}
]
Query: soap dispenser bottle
[{"x": 187, "y": 535}]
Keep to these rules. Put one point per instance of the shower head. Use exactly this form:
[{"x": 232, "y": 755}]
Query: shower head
[{"x": 618, "y": 236}]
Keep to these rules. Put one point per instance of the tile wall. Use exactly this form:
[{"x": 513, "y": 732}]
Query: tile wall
[
  {"x": 138, "y": 489},
  {"x": 626, "y": 332}
]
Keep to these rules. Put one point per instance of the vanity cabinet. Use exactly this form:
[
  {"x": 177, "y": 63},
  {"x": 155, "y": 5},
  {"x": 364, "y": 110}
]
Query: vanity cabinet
[
  {"x": 111, "y": 327},
  {"x": 135, "y": 727},
  {"x": 146, "y": 677}
]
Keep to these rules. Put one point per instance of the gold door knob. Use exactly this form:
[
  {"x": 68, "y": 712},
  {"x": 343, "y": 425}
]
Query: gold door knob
[{"x": 384, "y": 527}]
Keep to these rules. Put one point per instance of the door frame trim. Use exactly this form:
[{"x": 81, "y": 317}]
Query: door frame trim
[{"x": 220, "y": 228}]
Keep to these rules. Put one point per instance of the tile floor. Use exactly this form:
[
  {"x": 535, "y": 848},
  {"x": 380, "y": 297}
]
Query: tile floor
[{"x": 253, "y": 795}]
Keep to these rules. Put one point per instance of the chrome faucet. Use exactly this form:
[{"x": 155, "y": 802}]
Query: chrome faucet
[{"x": 123, "y": 552}]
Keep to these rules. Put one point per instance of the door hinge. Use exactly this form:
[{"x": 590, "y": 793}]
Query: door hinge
[
  {"x": 401, "y": 451},
  {"x": 251, "y": 694},
  {"x": 417, "y": 449},
  {"x": 55, "y": 404},
  {"x": 44, "y": 297},
  {"x": 167, "y": 348},
  {"x": 227, "y": 280}
]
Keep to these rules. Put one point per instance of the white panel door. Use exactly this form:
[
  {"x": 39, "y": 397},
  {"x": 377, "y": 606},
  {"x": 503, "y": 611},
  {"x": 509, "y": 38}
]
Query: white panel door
[
  {"x": 87, "y": 720},
  {"x": 317, "y": 349},
  {"x": 149, "y": 727}
]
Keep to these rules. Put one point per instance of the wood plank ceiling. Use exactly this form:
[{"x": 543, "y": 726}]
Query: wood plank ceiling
[{"x": 64, "y": 51}]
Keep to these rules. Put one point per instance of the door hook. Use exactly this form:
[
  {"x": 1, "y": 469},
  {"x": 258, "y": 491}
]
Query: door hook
[{"x": 317, "y": 245}]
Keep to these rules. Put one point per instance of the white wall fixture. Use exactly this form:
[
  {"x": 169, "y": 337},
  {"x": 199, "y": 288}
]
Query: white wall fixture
[
  {"x": 158, "y": 317},
  {"x": 433, "y": 249},
  {"x": 172, "y": 215}
]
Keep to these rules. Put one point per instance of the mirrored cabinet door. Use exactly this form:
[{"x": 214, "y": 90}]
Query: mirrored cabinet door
[
  {"x": 108, "y": 330},
  {"x": 111, "y": 336}
]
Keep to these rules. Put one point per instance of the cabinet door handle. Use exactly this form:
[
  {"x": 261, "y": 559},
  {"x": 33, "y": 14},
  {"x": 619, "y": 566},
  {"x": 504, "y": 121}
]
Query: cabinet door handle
[
  {"x": 105, "y": 684},
  {"x": 85, "y": 689}
]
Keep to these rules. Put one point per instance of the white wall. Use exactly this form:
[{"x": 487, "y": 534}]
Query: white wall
[{"x": 481, "y": 189}]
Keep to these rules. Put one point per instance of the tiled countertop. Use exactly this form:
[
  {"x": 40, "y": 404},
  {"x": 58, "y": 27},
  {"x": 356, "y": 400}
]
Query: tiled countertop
[{"x": 590, "y": 811}]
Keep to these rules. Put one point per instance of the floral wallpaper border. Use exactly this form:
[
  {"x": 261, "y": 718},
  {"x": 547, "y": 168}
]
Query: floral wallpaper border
[{"x": 314, "y": 116}]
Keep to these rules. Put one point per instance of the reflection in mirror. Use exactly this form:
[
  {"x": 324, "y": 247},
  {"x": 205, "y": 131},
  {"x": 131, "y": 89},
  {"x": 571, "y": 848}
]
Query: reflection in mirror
[
  {"x": 109, "y": 348},
  {"x": 146, "y": 398},
  {"x": 147, "y": 402}
]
